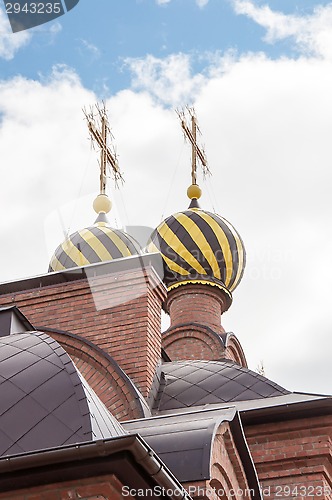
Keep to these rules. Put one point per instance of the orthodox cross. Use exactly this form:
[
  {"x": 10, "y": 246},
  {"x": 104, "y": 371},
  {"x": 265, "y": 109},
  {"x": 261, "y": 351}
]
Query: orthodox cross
[
  {"x": 99, "y": 132},
  {"x": 197, "y": 153}
]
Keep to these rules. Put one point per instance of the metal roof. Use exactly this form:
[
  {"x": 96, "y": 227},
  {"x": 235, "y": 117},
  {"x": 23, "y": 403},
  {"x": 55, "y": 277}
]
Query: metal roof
[
  {"x": 196, "y": 383},
  {"x": 288, "y": 406},
  {"x": 43, "y": 402},
  {"x": 184, "y": 442}
]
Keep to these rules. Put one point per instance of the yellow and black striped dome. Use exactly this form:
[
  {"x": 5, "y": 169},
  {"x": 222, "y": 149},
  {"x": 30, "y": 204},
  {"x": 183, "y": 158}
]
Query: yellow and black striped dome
[
  {"x": 97, "y": 243},
  {"x": 199, "y": 247}
]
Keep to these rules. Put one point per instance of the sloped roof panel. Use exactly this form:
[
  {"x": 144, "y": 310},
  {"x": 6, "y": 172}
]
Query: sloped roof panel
[{"x": 196, "y": 383}]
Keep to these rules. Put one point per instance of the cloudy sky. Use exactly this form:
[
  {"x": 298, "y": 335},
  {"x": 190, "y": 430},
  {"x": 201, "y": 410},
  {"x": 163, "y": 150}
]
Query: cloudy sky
[{"x": 259, "y": 74}]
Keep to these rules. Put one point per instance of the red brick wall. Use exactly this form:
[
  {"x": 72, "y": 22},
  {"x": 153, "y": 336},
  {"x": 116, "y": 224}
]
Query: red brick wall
[
  {"x": 202, "y": 304},
  {"x": 120, "y": 313},
  {"x": 115, "y": 391},
  {"x": 293, "y": 458},
  {"x": 97, "y": 488}
]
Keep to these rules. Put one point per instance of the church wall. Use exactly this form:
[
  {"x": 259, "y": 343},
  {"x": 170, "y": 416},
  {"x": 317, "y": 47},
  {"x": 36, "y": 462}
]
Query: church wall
[{"x": 293, "y": 458}]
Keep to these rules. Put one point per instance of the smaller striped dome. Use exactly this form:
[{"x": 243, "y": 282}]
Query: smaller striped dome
[
  {"x": 199, "y": 247},
  {"x": 97, "y": 243}
]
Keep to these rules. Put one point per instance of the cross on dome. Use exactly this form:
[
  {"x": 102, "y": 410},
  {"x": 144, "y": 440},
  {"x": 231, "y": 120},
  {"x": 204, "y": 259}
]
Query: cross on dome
[
  {"x": 197, "y": 152},
  {"x": 100, "y": 132}
]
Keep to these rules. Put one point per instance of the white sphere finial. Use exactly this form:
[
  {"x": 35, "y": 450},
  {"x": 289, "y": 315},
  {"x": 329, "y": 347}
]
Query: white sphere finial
[{"x": 102, "y": 204}]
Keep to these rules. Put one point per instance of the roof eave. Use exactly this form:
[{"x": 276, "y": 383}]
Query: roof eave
[
  {"x": 292, "y": 410},
  {"x": 39, "y": 463}
]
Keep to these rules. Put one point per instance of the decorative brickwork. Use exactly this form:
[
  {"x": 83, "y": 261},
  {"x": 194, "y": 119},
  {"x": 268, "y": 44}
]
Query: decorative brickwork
[
  {"x": 192, "y": 341},
  {"x": 234, "y": 350}
]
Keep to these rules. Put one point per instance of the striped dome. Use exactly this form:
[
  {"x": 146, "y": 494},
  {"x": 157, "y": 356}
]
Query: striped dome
[
  {"x": 98, "y": 243},
  {"x": 199, "y": 247}
]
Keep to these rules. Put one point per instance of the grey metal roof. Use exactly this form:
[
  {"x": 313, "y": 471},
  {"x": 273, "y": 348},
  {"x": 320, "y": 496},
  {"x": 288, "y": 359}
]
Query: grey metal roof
[
  {"x": 184, "y": 442},
  {"x": 103, "y": 424},
  {"x": 43, "y": 402},
  {"x": 197, "y": 383},
  {"x": 252, "y": 405}
]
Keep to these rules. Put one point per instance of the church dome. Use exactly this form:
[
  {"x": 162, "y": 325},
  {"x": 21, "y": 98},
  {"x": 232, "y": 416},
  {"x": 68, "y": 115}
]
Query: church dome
[
  {"x": 96, "y": 243},
  {"x": 44, "y": 399},
  {"x": 198, "y": 246}
]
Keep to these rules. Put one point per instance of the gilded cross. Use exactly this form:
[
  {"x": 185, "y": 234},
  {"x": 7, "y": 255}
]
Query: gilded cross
[
  {"x": 197, "y": 153},
  {"x": 100, "y": 131}
]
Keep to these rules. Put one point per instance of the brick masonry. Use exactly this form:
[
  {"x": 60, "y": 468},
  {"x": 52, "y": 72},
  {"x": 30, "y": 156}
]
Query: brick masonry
[{"x": 202, "y": 304}]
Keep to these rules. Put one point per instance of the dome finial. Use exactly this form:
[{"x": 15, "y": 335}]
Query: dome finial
[
  {"x": 194, "y": 192},
  {"x": 102, "y": 204}
]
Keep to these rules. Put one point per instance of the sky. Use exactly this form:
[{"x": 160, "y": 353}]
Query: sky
[{"x": 259, "y": 74}]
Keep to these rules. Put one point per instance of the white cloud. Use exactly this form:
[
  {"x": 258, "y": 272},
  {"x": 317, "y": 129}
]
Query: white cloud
[
  {"x": 202, "y": 3},
  {"x": 91, "y": 48},
  {"x": 55, "y": 28},
  {"x": 10, "y": 42},
  {"x": 312, "y": 33},
  {"x": 43, "y": 150},
  {"x": 170, "y": 80}
]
